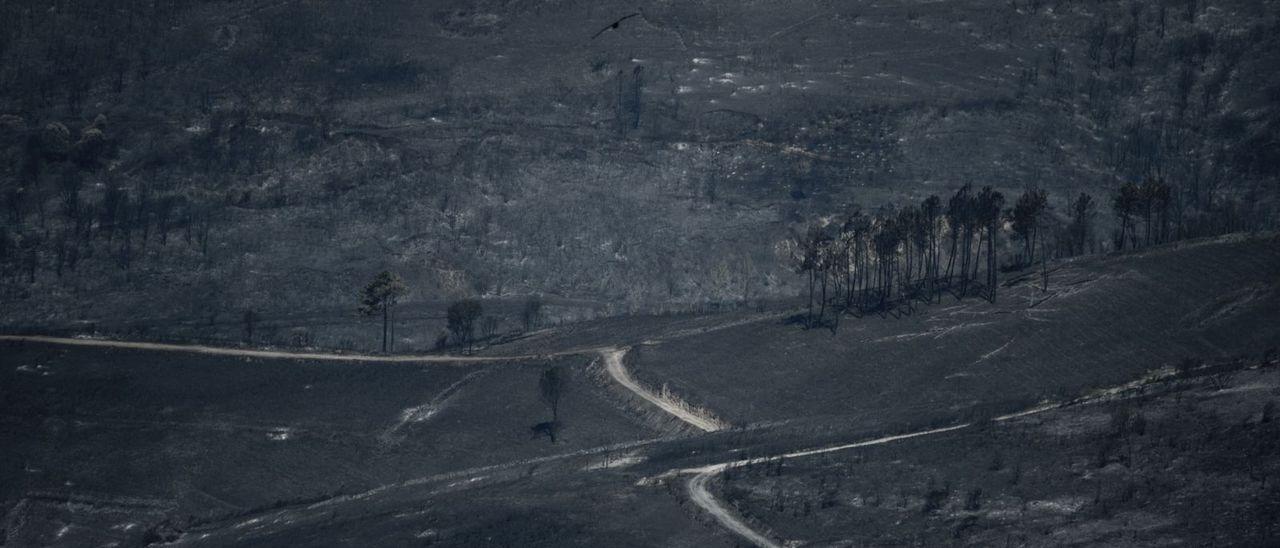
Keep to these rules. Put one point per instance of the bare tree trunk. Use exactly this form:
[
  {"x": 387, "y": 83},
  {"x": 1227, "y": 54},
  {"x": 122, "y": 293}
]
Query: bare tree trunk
[
  {"x": 1124, "y": 227},
  {"x": 991, "y": 261},
  {"x": 977, "y": 256},
  {"x": 1044, "y": 272},
  {"x": 808, "y": 318},
  {"x": 1031, "y": 250},
  {"x": 848, "y": 277},
  {"x": 906, "y": 248},
  {"x": 951, "y": 260},
  {"x": 934, "y": 251},
  {"x": 866, "y": 278},
  {"x": 822, "y": 305}
]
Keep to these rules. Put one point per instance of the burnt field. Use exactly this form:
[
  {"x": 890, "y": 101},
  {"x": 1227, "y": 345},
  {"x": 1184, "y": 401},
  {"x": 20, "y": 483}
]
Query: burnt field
[
  {"x": 639, "y": 273},
  {"x": 1188, "y": 461},
  {"x": 111, "y": 443},
  {"x": 1140, "y": 432},
  {"x": 1101, "y": 321}
]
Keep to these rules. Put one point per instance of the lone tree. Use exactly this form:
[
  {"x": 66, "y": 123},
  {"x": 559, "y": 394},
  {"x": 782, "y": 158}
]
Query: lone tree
[
  {"x": 380, "y": 296},
  {"x": 462, "y": 318},
  {"x": 532, "y": 313},
  {"x": 551, "y": 388}
]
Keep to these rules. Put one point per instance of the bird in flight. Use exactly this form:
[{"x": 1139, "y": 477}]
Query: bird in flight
[{"x": 614, "y": 25}]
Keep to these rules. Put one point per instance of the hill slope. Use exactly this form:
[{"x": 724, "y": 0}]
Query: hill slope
[
  {"x": 276, "y": 154},
  {"x": 1188, "y": 462},
  {"x": 1103, "y": 321}
]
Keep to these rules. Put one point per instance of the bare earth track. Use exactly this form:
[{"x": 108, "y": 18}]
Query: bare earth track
[
  {"x": 613, "y": 364},
  {"x": 705, "y": 500},
  {"x": 247, "y": 353}
]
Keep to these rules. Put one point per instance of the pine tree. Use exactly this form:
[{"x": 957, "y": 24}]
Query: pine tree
[{"x": 380, "y": 296}]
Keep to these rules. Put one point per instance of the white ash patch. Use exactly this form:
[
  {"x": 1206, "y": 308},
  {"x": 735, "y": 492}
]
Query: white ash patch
[
  {"x": 36, "y": 370},
  {"x": 421, "y": 413},
  {"x": 1236, "y": 389},
  {"x": 1061, "y": 505},
  {"x": 616, "y": 462}
]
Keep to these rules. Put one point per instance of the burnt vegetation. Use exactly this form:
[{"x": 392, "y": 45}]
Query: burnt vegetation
[
  {"x": 1164, "y": 456},
  {"x": 892, "y": 259},
  {"x": 534, "y": 273},
  {"x": 206, "y": 142}
]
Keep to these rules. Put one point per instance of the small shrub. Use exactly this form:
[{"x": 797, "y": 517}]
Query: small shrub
[
  {"x": 830, "y": 499},
  {"x": 301, "y": 338},
  {"x": 973, "y": 499},
  {"x": 1219, "y": 380},
  {"x": 934, "y": 498}
]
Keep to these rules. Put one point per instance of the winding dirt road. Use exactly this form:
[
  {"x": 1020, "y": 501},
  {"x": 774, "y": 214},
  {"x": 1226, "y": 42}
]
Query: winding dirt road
[
  {"x": 613, "y": 364},
  {"x": 697, "y": 485},
  {"x": 727, "y": 519}
]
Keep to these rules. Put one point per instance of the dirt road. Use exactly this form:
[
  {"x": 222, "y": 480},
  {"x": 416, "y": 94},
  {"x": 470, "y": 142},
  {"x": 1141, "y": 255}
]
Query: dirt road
[
  {"x": 612, "y": 358},
  {"x": 703, "y": 498},
  {"x": 613, "y": 364},
  {"x": 730, "y": 521},
  {"x": 279, "y": 354}
]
